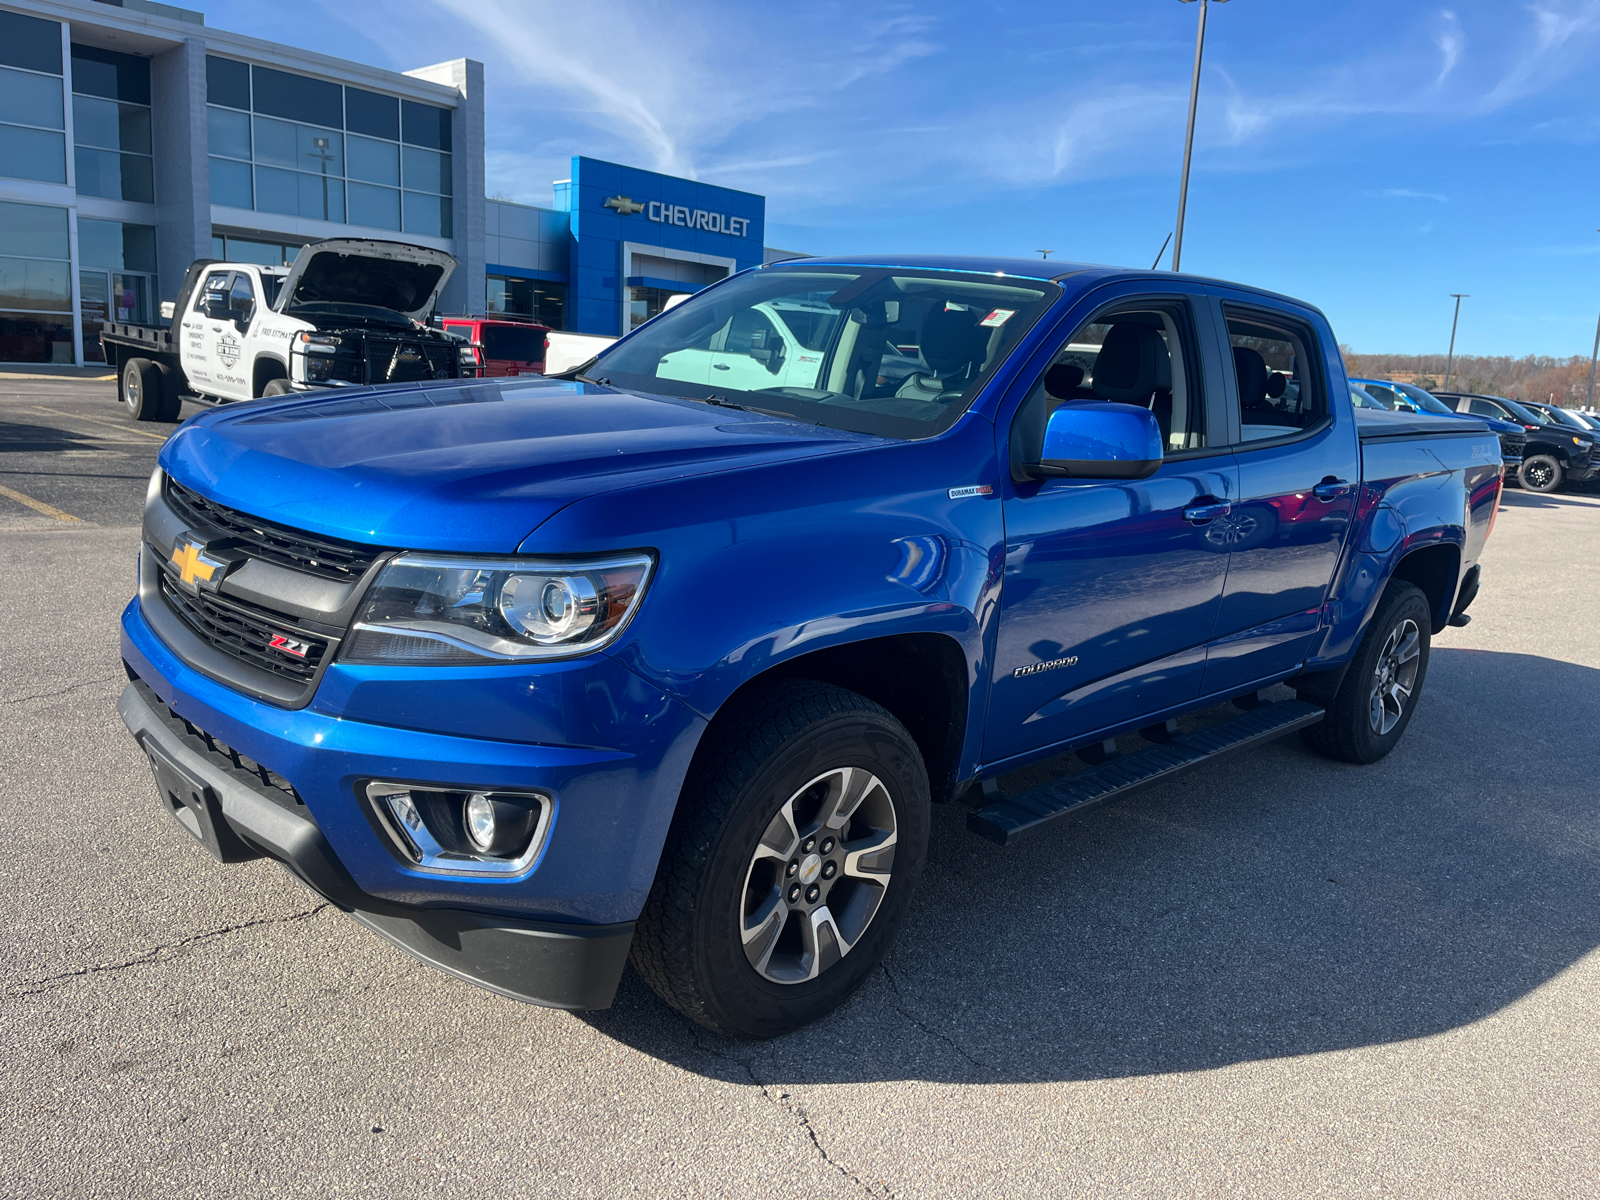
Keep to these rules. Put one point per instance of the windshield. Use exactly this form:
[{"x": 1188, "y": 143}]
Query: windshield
[
  {"x": 897, "y": 352},
  {"x": 1426, "y": 401},
  {"x": 1526, "y": 415},
  {"x": 1562, "y": 417},
  {"x": 1362, "y": 398},
  {"x": 519, "y": 344}
]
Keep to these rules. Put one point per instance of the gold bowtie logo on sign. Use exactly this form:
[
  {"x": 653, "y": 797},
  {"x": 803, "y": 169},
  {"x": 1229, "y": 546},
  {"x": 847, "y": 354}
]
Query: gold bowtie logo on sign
[{"x": 625, "y": 205}]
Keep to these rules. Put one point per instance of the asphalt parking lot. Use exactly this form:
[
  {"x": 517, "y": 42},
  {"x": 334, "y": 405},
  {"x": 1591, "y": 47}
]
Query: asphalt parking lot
[{"x": 1280, "y": 976}]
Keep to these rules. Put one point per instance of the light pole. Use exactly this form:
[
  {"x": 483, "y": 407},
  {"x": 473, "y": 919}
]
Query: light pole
[
  {"x": 1188, "y": 140},
  {"x": 1450, "y": 361},
  {"x": 1593, "y": 354}
]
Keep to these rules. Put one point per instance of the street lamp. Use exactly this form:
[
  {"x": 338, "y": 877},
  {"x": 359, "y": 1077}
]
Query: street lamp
[
  {"x": 1188, "y": 141},
  {"x": 1450, "y": 362},
  {"x": 1593, "y": 354}
]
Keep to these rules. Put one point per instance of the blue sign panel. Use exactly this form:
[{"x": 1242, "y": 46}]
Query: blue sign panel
[{"x": 657, "y": 230}]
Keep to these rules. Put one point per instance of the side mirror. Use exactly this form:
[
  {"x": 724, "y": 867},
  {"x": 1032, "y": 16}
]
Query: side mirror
[
  {"x": 243, "y": 314},
  {"x": 1097, "y": 439},
  {"x": 216, "y": 306}
]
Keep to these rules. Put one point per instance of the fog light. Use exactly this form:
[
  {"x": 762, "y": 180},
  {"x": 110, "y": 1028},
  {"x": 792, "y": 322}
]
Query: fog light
[{"x": 480, "y": 820}]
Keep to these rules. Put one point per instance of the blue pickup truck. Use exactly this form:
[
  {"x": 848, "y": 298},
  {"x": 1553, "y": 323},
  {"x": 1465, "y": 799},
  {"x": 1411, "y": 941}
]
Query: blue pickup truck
[{"x": 667, "y": 659}]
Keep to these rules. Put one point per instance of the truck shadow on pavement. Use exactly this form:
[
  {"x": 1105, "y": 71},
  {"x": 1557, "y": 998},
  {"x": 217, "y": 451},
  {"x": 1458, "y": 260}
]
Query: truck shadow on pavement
[{"x": 1279, "y": 904}]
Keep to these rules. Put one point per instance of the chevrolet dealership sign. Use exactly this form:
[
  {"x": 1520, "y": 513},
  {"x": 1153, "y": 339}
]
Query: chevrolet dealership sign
[{"x": 677, "y": 214}]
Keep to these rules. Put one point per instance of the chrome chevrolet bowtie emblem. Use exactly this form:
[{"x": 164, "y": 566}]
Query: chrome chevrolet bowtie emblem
[
  {"x": 625, "y": 205},
  {"x": 194, "y": 568}
]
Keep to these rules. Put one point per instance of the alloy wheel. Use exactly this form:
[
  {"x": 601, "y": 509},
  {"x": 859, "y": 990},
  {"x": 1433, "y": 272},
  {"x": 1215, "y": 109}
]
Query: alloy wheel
[
  {"x": 1395, "y": 677},
  {"x": 818, "y": 875}
]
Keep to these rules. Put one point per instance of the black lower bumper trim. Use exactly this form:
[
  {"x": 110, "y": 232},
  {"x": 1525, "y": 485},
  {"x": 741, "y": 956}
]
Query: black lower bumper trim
[{"x": 554, "y": 964}]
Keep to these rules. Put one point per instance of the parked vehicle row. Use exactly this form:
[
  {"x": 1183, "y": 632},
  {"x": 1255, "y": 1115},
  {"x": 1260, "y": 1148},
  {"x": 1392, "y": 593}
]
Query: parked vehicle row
[
  {"x": 1545, "y": 447},
  {"x": 666, "y": 659}
]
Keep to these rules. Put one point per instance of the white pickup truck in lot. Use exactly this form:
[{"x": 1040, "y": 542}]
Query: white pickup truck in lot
[{"x": 350, "y": 311}]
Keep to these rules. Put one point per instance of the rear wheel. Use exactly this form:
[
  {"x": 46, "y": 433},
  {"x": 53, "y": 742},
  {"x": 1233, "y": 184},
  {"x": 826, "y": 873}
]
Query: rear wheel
[
  {"x": 1540, "y": 473},
  {"x": 799, "y": 839},
  {"x": 1378, "y": 695},
  {"x": 144, "y": 391}
]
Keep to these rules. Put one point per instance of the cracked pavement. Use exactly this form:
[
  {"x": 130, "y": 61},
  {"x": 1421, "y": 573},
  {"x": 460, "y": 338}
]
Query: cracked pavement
[{"x": 1277, "y": 977}]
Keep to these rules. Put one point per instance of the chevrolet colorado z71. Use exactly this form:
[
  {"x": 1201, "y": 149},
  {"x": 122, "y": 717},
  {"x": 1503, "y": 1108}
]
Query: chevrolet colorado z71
[
  {"x": 669, "y": 658},
  {"x": 349, "y": 311}
]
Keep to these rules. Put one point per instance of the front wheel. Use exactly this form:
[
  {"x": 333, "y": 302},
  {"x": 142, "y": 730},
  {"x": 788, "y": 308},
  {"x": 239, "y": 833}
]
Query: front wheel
[
  {"x": 1541, "y": 473},
  {"x": 800, "y": 836},
  {"x": 1378, "y": 695},
  {"x": 277, "y": 387}
]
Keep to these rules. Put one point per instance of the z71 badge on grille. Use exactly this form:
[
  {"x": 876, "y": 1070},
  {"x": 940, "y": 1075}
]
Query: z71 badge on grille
[{"x": 289, "y": 645}]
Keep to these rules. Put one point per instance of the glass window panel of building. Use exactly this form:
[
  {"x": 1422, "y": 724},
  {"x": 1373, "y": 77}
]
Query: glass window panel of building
[
  {"x": 543, "y": 302},
  {"x": 111, "y": 125},
  {"x": 35, "y": 284},
  {"x": 33, "y": 140},
  {"x": 304, "y": 147},
  {"x": 116, "y": 277}
]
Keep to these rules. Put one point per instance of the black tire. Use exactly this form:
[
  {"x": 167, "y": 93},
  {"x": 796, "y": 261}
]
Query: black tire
[
  {"x": 1353, "y": 731},
  {"x": 276, "y": 387},
  {"x": 1540, "y": 473},
  {"x": 144, "y": 390},
  {"x": 171, "y": 391},
  {"x": 688, "y": 944}
]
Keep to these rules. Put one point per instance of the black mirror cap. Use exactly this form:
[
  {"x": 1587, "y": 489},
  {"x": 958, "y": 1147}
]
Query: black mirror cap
[{"x": 1095, "y": 468}]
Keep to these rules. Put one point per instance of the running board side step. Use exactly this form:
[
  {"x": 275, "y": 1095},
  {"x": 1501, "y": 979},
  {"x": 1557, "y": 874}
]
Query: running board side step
[{"x": 1007, "y": 818}]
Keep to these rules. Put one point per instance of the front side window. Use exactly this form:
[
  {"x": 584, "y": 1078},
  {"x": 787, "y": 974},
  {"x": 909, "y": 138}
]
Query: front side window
[
  {"x": 1143, "y": 356},
  {"x": 897, "y": 352},
  {"x": 1274, "y": 370}
]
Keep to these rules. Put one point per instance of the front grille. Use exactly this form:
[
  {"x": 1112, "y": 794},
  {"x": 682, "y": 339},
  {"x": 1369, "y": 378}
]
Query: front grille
[
  {"x": 403, "y": 360},
  {"x": 244, "y": 631},
  {"x": 328, "y": 558}
]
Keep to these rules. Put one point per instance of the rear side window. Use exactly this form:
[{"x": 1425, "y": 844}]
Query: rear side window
[
  {"x": 1483, "y": 408},
  {"x": 1274, "y": 366},
  {"x": 510, "y": 342},
  {"x": 456, "y": 327}
]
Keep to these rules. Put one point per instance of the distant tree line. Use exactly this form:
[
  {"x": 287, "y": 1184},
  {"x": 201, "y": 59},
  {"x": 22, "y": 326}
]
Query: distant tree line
[{"x": 1563, "y": 381}]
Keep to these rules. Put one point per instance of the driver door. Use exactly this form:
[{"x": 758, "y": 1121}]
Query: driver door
[
  {"x": 1112, "y": 587},
  {"x": 231, "y": 355},
  {"x": 201, "y": 324}
]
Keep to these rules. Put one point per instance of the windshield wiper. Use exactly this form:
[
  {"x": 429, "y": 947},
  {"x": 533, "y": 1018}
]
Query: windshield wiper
[{"x": 722, "y": 402}]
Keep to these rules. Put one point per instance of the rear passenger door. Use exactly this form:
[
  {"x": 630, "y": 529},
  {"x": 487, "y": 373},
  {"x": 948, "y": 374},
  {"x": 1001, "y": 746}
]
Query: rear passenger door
[
  {"x": 1299, "y": 463},
  {"x": 1111, "y": 587}
]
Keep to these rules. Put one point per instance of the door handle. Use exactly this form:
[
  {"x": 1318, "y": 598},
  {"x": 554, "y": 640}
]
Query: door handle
[
  {"x": 1330, "y": 489},
  {"x": 721, "y": 367},
  {"x": 1199, "y": 514}
]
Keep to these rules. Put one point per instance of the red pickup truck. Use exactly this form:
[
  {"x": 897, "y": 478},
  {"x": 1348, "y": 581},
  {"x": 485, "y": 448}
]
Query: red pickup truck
[{"x": 510, "y": 346}]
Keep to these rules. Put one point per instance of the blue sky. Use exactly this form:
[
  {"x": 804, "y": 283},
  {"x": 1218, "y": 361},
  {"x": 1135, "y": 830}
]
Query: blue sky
[{"x": 1370, "y": 156}]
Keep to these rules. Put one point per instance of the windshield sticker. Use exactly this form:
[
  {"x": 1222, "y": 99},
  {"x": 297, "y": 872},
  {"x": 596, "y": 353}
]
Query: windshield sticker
[{"x": 998, "y": 317}]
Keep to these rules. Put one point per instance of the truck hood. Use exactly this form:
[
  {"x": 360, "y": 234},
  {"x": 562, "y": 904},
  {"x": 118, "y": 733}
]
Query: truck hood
[
  {"x": 473, "y": 466},
  {"x": 392, "y": 275}
]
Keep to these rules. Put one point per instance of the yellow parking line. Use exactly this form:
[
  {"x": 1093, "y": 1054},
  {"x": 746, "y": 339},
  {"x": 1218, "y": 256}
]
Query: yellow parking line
[
  {"x": 56, "y": 412},
  {"x": 38, "y": 505}
]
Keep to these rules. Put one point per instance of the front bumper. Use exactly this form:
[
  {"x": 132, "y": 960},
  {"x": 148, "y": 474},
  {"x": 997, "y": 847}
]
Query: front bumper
[{"x": 558, "y": 964}]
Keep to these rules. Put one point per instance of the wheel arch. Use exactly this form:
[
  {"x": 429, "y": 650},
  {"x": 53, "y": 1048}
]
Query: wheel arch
[
  {"x": 267, "y": 368},
  {"x": 922, "y": 679},
  {"x": 1436, "y": 570}
]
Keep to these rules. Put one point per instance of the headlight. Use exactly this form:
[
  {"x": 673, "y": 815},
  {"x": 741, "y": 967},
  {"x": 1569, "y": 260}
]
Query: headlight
[{"x": 440, "y": 609}]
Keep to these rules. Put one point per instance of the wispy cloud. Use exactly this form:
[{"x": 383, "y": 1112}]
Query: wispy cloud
[{"x": 1408, "y": 194}]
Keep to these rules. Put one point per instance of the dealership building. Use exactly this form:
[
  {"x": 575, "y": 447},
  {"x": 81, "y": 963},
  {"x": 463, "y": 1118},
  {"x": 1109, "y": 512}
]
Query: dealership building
[{"x": 135, "y": 139}]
